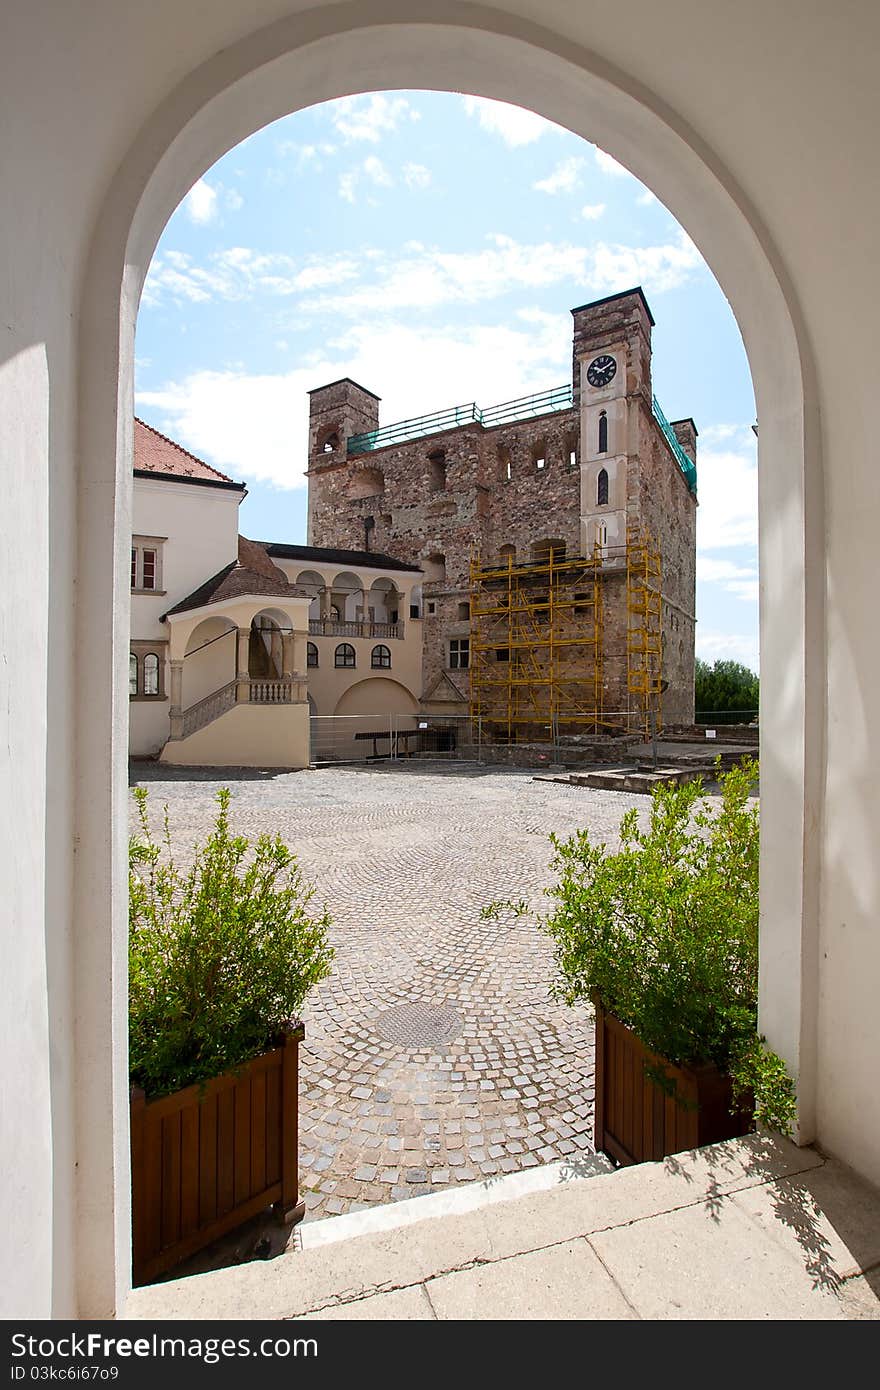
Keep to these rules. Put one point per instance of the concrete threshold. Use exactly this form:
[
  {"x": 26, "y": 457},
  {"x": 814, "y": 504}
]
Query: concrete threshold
[
  {"x": 751, "y": 1229},
  {"x": 452, "y": 1201}
]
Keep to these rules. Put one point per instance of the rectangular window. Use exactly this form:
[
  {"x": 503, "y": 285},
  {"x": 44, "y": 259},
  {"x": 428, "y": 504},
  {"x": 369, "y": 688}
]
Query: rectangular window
[
  {"x": 540, "y": 463},
  {"x": 464, "y": 612},
  {"x": 148, "y": 580},
  {"x": 146, "y": 564},
  {"x": 414, "y": 610},
  {"x": 432, "y": 607},
  {"x": 502, "y": 653},
  {"x": 459, "y": 653}
]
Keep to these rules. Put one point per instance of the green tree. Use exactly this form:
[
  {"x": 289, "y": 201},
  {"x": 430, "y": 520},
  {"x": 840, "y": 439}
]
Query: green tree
[{"x": 726, "y": 686}]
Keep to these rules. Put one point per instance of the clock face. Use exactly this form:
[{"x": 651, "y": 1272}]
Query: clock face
[{"x": 601, "y": 370}]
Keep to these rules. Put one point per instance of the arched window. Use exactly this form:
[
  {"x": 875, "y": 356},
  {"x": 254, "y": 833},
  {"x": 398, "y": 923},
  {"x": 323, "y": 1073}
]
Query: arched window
[
  {"x": 507, "y": 554},
  {"x": 311, "y": 654},
  {"x": 504, "y": 463},
  {"x": 330, "y": 443},
  {"x": 151, "y": 674},
  {"x": 132, "y": 674},
  {"x": 380, "y": 658},
  {"x": 345, "y": 655},
  {"x": 603, "y": 433},
  {"x": 602, "y": 488},
  {"x": 602, "y": 535}
]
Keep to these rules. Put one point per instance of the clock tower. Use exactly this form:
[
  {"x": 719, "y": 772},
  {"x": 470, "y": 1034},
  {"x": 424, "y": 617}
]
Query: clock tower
[{"x": 611, "y": 379}]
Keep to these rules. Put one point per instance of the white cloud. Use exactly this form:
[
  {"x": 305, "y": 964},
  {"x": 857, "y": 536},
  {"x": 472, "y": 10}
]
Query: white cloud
[
  {"x": 514, "y": 125},
  {"x": 200, "y": 203},
  {"x": 711, "y": 570},
  {"x": 240, "y": 273},
  {"x": 347, "y": 184},
  {"x": 591, "y": 212},
  {"x": 255, "y": 426},
  {"x": 431, "y": 277},
  {"x": 563, "y": 179},
  {"x": 715, "y": 646},
  {"x": 418, "y": 276},
  {"x": 728, "y": 492},
  {"x": 375, "y": 171},
  {"x": 233, "y": 200},
  {"x": 611, "y": 166},
  {"x": 416, "y": 176},
  {"x": 369, "y": 117}
]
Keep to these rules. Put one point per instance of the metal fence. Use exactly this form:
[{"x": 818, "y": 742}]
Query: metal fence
[{"x": 378, "y": 738}]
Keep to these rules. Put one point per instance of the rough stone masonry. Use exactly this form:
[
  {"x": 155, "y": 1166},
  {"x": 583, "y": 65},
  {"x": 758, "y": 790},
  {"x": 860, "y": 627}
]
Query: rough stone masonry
[{"x": 590, "y": 474}]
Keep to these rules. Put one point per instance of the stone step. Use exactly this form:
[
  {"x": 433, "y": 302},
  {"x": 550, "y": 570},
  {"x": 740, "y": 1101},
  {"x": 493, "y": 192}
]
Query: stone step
[
  {"x": 754, "y": 1228},
  {"x": 452, "y": 1201}
]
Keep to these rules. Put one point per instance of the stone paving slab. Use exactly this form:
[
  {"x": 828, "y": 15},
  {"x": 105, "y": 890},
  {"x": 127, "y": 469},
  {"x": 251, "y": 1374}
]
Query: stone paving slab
[{"x": 435, "y": 1054}]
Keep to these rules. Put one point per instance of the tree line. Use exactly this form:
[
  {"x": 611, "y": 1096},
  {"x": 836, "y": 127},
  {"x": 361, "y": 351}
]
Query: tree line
[{"x": 725, "y": 687}]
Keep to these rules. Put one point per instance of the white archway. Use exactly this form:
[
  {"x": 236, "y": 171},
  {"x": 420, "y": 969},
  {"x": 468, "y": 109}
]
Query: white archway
[{"x": 311, "y": 57}]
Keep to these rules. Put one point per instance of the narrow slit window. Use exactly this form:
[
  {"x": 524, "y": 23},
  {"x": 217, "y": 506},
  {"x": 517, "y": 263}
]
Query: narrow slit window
[
  {"x": 603, "y": 433},
  {"x": 602, "y": 488}
]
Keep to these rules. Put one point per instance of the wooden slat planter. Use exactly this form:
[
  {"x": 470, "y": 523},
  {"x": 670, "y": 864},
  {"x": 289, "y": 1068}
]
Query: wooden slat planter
[
  {"x": 207, "y": 1158},
  {"x": 636, "y": 1121}
]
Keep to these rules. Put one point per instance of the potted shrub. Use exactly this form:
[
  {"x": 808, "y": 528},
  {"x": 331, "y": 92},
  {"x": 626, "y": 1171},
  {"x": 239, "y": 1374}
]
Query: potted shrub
[
  {"x": 662, "y": 936},
  {"x": 221, "y": 957}
]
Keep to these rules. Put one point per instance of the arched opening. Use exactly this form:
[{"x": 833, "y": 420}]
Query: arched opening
[
  {"x": 246, "y": 86},
  {"x": 328, "y": 440},
  {"x": 603, "y": 432},
  {"x": 602, "y": 488},
  {"x": 314, "y": 587},
  {"x": 384, "y": 603},
  {"x": 347, "y": 598}
]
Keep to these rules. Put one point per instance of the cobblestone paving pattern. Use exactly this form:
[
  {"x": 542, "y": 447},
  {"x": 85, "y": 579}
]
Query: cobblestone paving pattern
[{"x": 434, "y": 1054}]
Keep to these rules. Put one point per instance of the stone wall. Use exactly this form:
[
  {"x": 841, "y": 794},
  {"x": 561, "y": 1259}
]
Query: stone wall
[{"x": 442, "y": 499}]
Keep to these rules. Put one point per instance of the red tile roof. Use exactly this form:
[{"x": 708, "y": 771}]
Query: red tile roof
[{"x": 154, "y": 453}]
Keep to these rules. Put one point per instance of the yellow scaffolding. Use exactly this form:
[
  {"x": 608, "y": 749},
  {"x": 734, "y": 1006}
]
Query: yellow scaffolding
[
  {"x": 644, "y": 642},
  {"x": 537, "y": 643},
  {"x": 536, "y": 646}
]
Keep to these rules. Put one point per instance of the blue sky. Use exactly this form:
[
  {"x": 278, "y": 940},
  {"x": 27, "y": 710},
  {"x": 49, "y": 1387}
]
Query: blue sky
[{"x": 431, "y": 246}]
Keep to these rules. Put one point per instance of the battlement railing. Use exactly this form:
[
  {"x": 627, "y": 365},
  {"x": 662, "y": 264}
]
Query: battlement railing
[{"x": 523, "y": 408}]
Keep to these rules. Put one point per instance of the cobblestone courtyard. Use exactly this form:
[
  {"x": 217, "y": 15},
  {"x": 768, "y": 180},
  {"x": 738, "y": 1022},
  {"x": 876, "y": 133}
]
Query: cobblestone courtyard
[{"x": 434, "y": 1053}]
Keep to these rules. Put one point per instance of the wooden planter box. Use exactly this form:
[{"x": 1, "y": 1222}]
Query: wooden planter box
[
  {"x": 206, "y": 1159},
  {"x": 636, "y": 1121}
]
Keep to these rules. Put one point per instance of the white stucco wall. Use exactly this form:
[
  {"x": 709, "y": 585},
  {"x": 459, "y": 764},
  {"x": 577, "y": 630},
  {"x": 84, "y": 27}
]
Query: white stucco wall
[{"x": 109, "y": 113}]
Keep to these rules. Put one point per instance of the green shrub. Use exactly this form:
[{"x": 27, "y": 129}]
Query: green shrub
[
  {"x": 665, "y": 933},
  {"x": 221, "y": 955}
]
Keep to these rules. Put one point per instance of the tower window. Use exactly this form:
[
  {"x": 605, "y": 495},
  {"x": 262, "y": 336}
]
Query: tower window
[
  {"x": 459, "y": 653},
  {"x": 437, "y": 471},
  {"x": 603, "y": 433},
  {"x": 311, "y": 655},
  {"x": 602, "y": 488}
]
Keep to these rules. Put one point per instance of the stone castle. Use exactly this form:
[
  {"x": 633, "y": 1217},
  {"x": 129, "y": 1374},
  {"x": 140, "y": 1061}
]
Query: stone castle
[{"x": 556, "y": 535}]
